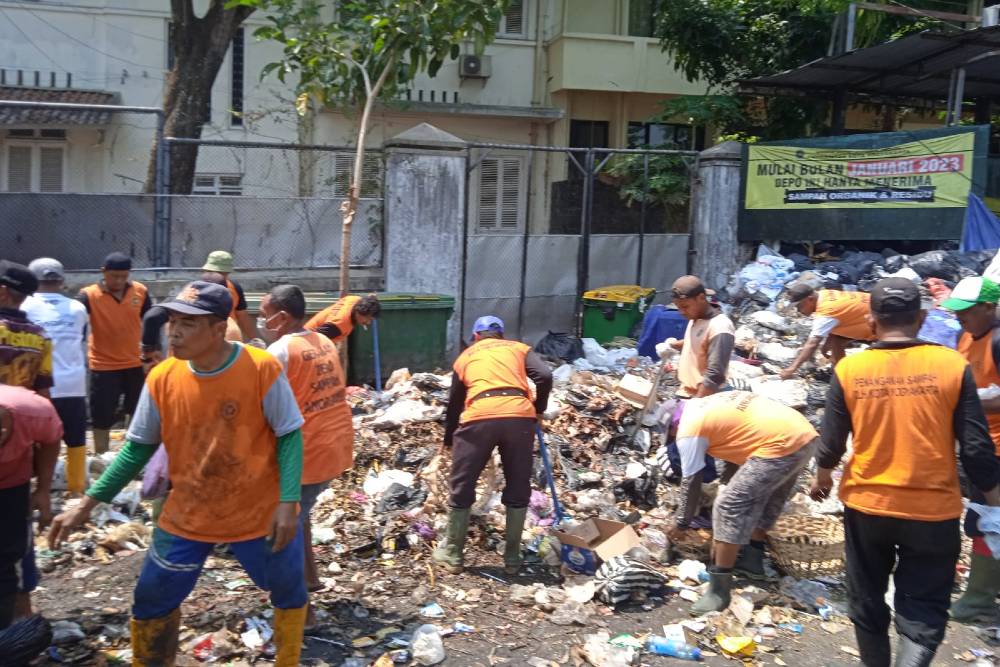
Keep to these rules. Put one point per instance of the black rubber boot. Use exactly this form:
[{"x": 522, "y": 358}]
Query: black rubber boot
[
  {"x": 911, "y": 654},
  {"x": 874, "y": 648},
  {"x": 750, "y": 563},
  {"x": 718, "y": 596}
]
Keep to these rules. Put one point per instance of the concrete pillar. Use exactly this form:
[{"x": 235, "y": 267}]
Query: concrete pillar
[
  {"x": 425, "y": 185},
  {"x": 715, "y": 207}
]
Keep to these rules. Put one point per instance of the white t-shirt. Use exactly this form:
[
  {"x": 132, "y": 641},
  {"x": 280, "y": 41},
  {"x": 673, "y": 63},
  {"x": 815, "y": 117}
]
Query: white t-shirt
[{"x": 65, "y": 321}]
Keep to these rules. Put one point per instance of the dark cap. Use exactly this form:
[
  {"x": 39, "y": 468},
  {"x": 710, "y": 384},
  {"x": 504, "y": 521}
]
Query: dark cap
[
  {"x": 895, "y": 295},
  {"x": 201, "y": 298},
  {"x": 117, "y": 261},
  {"x": 17, "y": 277},
  {"x": 687, "y": 287},
  {"x": 798, "y": 291}
]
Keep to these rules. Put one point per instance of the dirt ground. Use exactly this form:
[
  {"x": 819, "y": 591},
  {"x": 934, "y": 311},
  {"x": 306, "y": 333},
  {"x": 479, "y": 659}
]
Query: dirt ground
[{"x": 368, "y": 595}]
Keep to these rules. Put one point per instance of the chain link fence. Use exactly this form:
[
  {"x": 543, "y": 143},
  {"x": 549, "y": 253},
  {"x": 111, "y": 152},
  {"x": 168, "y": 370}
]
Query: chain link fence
[{"x": 87, "y": 179}]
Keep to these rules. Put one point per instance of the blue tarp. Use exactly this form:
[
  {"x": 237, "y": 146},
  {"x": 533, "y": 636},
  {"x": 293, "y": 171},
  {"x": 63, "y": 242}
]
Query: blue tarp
[
  {"x": 982, "y": 228},
  {"x": 660, "y": 324}
]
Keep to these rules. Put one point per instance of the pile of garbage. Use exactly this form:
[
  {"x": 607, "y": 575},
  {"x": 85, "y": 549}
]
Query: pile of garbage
[{"x": 383, "y": 603}]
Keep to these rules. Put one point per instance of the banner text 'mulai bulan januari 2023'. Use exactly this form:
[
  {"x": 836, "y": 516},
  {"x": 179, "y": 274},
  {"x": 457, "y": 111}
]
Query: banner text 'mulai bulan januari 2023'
[{"x": 931, "y": 173}]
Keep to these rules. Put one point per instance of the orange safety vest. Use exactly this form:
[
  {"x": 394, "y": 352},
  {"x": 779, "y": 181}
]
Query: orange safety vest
[
  {"x": 115, "y": 327},
  {"x": 338, "y": 314},
  {"x": 901, "y": 403},
  {"x": 979, "y": 354},
  {"x": 850, "y": 309},
  {"x": 318, "y": 382},
  {"x": 223, "y": 452},
  {"x": 489, "y": 364}
]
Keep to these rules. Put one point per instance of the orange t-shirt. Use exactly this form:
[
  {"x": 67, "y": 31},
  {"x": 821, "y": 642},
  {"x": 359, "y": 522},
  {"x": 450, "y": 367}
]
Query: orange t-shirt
[
  {"x": 901, "y": 403},
  {"x": 221, "y": 446},
  {"x": 694, "y": 355},
  {"x": 338, "y": 314},
  {"x": 741, "y": 424},
  {"x": 494, "y": 363},
  {"x": 979, "y": 354},
  {"x": 312, "y": 365},
  {"x": 849, "y": 309},
  {"x": 115, "y": 327}
]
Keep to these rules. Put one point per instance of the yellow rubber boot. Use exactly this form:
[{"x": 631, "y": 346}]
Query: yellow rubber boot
[
  {"x": 76, "y": 469},
  {"x": 154, "y": 642},
  {"x": 102, "y": 440},
  {"x": 289, "y": 625}
]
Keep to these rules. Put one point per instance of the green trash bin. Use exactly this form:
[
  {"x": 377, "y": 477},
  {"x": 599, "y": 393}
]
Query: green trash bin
[
  {"x": 614, "y": 311},
  {"x": 412, "y": 332}
]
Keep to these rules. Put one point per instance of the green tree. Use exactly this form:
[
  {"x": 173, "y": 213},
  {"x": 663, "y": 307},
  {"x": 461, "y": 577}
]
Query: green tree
[
  {"x": 366, "y": 50},
  {"x": 719, "y": 42}
]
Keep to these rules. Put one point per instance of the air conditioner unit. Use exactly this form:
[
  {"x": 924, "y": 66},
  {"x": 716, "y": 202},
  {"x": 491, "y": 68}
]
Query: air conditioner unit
[{"x": 475, "y": 67}]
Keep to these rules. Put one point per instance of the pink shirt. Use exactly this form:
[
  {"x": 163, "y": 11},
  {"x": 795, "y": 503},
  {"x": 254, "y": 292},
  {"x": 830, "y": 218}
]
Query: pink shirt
[{"x": 35, "y": 420}]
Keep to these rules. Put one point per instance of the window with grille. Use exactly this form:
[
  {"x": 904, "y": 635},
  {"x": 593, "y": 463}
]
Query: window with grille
[
  {"x": 339, "y": 184},
  {"x": 641, "y": 18},
  {"x": 35, "y": 168},
  {"x": 500, "y": 200},
  {"x": 512, "y": 24},
  {"x": 218, "y": 184}
]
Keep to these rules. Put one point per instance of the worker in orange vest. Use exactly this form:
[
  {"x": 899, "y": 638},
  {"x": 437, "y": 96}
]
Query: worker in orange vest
[
  {"x": 337, "y": 321},
  {"x": 491, "y": 406},
  {"x": 221, "y": 262},
  {"x": 838, "y": 319},
  {"x": 116, "y": 305},
  {"x": 974, "y": 302},
  {"x": 904, "y": 403}
]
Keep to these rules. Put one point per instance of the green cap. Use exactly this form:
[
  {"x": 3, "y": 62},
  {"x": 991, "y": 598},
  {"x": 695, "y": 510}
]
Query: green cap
[
  {"x": 219, "y": 261},
  {"x": 970, "y": 291}
]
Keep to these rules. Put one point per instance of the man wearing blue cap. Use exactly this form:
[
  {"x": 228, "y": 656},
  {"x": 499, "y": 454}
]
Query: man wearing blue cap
[
  {"x": 490, "y": 406},
  {"x": 230, "y": 425}
]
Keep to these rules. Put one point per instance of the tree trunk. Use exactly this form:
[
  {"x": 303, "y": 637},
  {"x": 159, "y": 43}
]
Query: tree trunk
[{"x": 199, "y": 45}]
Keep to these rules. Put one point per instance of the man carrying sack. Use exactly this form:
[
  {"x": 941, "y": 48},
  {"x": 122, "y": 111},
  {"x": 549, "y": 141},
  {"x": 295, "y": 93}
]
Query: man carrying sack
[
  {"x": 490, "y": 406},
  {"x": 905, "y": 403}
]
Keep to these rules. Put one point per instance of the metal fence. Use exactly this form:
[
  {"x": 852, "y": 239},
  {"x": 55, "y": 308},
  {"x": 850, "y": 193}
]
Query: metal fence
[
  {"x": 544, "y": 225},
  {"x": 83, "y": 192}
]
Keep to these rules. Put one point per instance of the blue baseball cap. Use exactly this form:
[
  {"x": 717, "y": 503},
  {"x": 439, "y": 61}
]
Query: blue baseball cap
[
  {"x": 202, "y": 298},
  {"x": 488, "y": 323}
]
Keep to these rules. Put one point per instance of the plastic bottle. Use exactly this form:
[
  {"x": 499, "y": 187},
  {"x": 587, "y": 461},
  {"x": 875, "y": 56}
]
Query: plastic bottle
[{"x": 672, "y": 648}]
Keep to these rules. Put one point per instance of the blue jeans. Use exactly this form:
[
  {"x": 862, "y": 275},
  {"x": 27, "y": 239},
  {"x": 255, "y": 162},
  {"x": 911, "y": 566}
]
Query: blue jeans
[{"x": 173, "y": 565}]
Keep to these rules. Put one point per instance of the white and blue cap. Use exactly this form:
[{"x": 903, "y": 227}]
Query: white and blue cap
[{"x": 488, "y": 323}]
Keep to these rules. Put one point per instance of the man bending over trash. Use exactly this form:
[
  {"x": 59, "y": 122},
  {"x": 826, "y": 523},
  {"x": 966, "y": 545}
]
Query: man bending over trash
[
  {"x": 838, "y": 318},
  {"x": 490, "y": 406},
  {"x": 772, "y": 443},
  {"x": 231, "y": 428}
]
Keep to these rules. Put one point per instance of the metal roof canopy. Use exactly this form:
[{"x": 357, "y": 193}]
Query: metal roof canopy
[{"x": 917, "y": 70}]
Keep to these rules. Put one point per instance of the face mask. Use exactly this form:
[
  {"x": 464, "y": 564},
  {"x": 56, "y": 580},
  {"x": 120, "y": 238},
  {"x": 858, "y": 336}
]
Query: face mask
[{"x": 262, "y": 323}]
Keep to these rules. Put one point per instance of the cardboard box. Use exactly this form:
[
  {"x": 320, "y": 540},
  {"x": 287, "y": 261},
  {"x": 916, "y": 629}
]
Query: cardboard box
[
  {"x": 635, "y": 390},
  {"x": 586, "y": 546}
]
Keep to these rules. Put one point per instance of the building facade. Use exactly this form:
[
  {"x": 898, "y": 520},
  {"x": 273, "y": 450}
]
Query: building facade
[{"x": 574, "y": 73}]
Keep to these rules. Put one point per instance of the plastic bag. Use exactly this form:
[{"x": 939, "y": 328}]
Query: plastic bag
[
  {"x": 156, "y": 477},
  {"x": 398, "y": 498},
  {"x": 21, "y": 642},
  {"x": 989, "y": 524},
  {"x": 563, "y": 346},
  {"x": 939, "y": 264},
  {"x": 426, "y": 644},
  {"x": 941, "y": 327}
]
